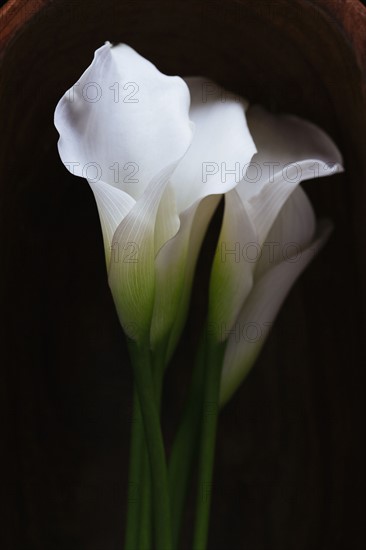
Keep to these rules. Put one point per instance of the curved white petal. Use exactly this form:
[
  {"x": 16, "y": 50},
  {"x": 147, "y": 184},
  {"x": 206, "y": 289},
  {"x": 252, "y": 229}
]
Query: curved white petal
[
  {"x": 292, "y": 231},
  {"x": 233, "y": 265},
  {"x": 123, "y": 121},
  {"x": 289, "y": 148},
  {"x": 221, "y": 145},
  {"x": 264, "y": 208},
  {"x": 132, "y": 269},
  {"x": 113, "y": 205},
  {"x": 258, "y": 313}
]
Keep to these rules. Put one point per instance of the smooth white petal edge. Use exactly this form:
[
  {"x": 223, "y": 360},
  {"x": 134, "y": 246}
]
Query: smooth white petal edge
[
  {"x": 258, "y": 313},
  {"x": 116, "y": 121},
  {"x": 222, "y": 144},
  {"x": 264, "y": 208},
  {"x": 284, "y": 144},
  {"x": 167, "y": 219},
  {"x": 113, "y": 205}
]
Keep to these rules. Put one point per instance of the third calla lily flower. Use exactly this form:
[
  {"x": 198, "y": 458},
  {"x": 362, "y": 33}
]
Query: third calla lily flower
[{"x": 268, "y": 235}]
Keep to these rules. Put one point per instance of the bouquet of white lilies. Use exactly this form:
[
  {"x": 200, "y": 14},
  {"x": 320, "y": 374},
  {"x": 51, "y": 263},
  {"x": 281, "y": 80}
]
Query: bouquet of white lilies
[{"x": 160, "y": 153}]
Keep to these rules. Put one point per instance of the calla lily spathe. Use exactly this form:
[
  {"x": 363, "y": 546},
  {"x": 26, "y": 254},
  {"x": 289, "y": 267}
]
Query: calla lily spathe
[
  {"x": 153, "y": 224},
  {"x": 268, "y": 236}
]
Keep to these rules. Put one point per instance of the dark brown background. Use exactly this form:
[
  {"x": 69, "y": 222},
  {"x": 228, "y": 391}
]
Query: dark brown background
[{"x": 290, "y": 460}]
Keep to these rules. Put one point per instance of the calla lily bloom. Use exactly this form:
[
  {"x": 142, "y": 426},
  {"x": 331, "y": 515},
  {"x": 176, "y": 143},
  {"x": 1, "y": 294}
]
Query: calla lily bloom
[
  {"x": 140, "y": 138},
  {"x": 268, "y": 236}
]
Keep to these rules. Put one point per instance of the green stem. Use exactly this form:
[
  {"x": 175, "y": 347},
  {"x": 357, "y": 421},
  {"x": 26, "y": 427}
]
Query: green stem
[
  {"x": 145, "y": 515},
  {"x": 145, "y": 519},
  {"x": 145, "y": 386},
  {"x": 134, "y": 481},
  {"x": 184, "y": 446},
  {"x": 213, "y": 367}
]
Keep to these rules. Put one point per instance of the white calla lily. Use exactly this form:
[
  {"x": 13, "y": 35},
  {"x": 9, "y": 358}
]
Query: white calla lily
[
  {"x": 268, "y": 236},
  {"x": 290, "y": 150},
  {"x": 154, "y": 220},
  {"x": 110, "y": 134}
]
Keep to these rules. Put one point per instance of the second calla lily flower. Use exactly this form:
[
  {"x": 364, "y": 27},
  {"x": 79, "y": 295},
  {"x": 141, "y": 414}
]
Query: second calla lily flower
[
  {"x": 268, "y": 236},
  {"x": 140, "y": 138}
]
